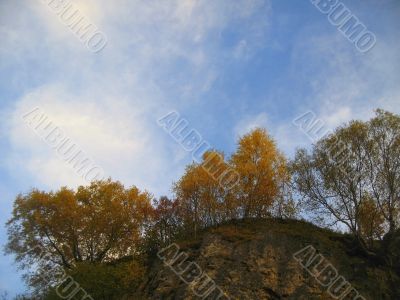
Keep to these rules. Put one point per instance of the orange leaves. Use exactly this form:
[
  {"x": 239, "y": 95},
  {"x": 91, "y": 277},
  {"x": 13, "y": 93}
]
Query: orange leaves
[
  {"x": 200, "y": 194},
  {"x": 105, "y": 221},
  {"x": 261, "y": 168},
  {"x": 262, "y": 174},
  {"x": 100, "y": 222}
]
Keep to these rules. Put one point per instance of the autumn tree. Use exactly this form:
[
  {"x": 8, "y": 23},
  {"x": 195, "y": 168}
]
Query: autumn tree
[
  {"x": 98, "y": 223},
  {"x": 352, "y": 177},
  {"x": 216, "y": 179},
  {"x": 203, "y": 200},
  {"x": 383, "y": 165},
  {"x": 255, "y": 182},
  {"x": 285, "y": 206},
  {"x": 165, "y": 226},
  {"x": 188, "y": 194},
  {"x": 371, "y": 221},
  {"x": 262, "y": 173}
]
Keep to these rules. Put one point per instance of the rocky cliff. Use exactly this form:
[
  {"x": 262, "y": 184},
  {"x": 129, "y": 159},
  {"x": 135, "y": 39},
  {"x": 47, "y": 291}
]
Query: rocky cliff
[{"x": 273, "y": 259}]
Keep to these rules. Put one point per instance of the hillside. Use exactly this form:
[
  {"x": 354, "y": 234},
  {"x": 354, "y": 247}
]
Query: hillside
[{"x": 253, "y": 259}]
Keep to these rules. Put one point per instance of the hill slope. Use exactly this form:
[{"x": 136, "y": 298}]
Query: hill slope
[{"x": 254, "y": 259}]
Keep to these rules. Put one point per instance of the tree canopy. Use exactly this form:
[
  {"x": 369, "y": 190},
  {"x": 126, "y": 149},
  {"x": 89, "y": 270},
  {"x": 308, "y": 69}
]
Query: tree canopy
[
  {"x": 99, "y": 223},
  {"x": 350, "y": 177}
]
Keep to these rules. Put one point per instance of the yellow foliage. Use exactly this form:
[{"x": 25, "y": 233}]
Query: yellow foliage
[{"x": 262, "y": 170}]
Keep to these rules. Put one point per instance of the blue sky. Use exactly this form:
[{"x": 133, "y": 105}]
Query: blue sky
[{"x": 226, "y": 66}]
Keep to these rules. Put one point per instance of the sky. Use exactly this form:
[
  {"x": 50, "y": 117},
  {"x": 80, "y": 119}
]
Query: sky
[{"x": 225, "y": 66}]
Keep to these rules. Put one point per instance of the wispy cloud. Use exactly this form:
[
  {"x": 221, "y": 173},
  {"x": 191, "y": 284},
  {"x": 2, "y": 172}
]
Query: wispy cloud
[
  {"x": 158, "y": 54},
  {"x": 227, "y": 66}
]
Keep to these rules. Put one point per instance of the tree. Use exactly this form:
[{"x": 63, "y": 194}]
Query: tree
[
  {"x": 262, "y": 172},
  {"x": 165, "y": 226},
  {"x": 285, "y": 206},
  {"x": 352, "y": 176},
  {"x": 188, "y": 195},
  {"x": 214, "y": 177},
  {"x": 202, "y": 199},
  {"x": 99, "y": 223},
  {"x": 383, "y": 165},
  {"x": 371, "y": 221}
]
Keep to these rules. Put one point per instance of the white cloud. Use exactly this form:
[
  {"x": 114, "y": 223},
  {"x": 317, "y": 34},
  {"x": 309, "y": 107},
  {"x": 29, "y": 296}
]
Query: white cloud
[
  {"x": 346, "y": 84},
  {"x": 249, "y": 122},
  {"x": 337, "y": 117},
  {"x": 108, "y": 102},
  {"x": 110, "y": 131}
]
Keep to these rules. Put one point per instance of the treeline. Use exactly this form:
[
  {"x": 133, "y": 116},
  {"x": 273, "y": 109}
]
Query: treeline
[
  {"x": 257, "y": 188},
  {"x": 349, "y": 178},
  {"x": 352, "y": 178}
]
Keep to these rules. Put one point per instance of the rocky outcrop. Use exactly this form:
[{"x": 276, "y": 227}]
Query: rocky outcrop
[{"x": 255, "y": 260}]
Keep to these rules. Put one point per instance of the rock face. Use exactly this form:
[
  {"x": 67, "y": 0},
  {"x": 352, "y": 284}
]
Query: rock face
[{"x": 255, "y": 260}]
